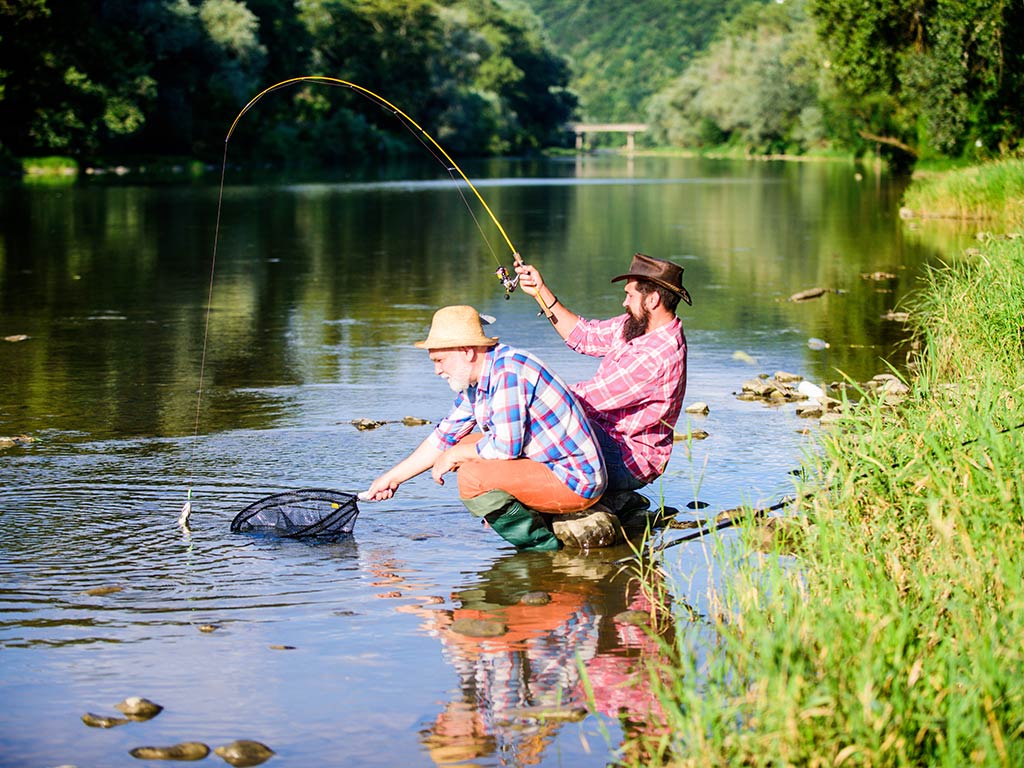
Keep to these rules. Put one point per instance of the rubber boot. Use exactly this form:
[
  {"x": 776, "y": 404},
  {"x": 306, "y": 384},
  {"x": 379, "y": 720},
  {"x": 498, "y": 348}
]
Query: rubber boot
[{"x": 523, "y": 527}]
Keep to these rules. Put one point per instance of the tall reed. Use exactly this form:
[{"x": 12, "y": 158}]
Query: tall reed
[{"x": 895, "y": 636}]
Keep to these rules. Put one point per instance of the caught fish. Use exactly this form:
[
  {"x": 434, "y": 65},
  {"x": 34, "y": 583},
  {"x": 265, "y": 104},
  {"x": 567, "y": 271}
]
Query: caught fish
[{"x": 186, "y": 513}]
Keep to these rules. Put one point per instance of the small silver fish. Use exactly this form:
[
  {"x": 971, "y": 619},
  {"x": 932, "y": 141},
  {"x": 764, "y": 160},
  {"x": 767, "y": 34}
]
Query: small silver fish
[{"x": 186, "y": 513}]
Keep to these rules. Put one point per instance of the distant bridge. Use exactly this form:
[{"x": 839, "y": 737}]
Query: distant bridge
[{"x": 582, "y": 129}]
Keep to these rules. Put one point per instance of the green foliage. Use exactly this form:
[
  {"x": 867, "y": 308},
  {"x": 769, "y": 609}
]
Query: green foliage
[
  {"x": 168, "y": 76},
  {"x": 623, "y": 53},
  {"x": 756, "y": 86},
  {"x": 927, "y": 78}
]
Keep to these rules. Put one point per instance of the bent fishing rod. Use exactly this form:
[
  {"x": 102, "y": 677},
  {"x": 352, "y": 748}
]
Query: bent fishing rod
[
  {"x": 432, "y": 146},
  {"x": 508, "y": 281}
]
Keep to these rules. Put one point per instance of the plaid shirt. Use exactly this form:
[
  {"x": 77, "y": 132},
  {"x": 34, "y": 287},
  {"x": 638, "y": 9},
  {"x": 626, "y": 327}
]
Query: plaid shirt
[
  {"x": 637, "y": 392},
  {"x": 526, "y": 411}
]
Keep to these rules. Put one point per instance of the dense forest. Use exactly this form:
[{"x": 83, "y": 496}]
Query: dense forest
[
  {"x": 910, "y": 79},
  {"x": 103, "y": 78}
]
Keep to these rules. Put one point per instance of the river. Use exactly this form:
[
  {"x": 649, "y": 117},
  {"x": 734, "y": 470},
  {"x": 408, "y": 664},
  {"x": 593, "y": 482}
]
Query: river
[{"x": 134, "y": 395}]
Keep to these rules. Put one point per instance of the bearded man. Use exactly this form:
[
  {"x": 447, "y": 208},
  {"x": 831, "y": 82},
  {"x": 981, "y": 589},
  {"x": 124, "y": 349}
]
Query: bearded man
[{"x": 634, "y": 399}]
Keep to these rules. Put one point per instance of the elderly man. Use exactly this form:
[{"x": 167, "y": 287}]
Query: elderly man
[
  {"x": 516, "y": 436},
  {"x": 635, "y": 397}
]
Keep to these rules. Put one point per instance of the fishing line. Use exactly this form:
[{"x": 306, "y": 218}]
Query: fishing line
[
  {"x": 759, "y": 512},
  {"x": 436, "y": 151}
]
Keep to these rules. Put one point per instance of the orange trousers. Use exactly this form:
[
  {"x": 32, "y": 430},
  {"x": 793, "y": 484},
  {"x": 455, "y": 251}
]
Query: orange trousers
[{"x": 536, "y": 486}]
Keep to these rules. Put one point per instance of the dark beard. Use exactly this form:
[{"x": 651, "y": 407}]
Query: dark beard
[{"x": 635, "y": 325}]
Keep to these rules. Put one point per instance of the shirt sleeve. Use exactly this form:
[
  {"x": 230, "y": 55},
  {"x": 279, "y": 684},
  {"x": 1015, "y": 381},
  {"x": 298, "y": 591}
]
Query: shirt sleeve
[
  {"x": 595, "y": 337},
  {"x": 456, "y": 425}
]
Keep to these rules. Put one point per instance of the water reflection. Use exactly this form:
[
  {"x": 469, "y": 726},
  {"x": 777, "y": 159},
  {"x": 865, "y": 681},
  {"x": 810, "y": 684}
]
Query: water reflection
[{"x": 556, "y": 617}]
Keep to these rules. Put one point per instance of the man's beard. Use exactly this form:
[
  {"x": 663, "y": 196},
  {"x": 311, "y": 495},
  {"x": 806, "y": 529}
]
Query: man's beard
[
  {"x": 458, "y": 384},
  {"x": 636, "y": 325}
]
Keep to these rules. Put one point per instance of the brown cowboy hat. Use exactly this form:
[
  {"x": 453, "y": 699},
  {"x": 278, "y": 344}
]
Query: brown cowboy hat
[
  {"x": 457, "y": 326},
  {"x": 658, "y": 271}
]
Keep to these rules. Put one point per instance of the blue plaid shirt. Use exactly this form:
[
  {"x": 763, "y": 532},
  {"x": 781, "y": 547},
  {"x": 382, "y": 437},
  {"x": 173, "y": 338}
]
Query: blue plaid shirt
[{"x": 525, "y": 411}]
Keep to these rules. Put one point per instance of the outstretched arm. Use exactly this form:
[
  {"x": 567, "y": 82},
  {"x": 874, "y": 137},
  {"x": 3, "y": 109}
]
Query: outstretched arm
[
  {"x": 418, "y": 461},
  {"x": 531, "y": 281}
]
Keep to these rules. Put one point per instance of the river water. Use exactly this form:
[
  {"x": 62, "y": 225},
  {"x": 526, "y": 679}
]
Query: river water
[{"x": 345, "y": 653}]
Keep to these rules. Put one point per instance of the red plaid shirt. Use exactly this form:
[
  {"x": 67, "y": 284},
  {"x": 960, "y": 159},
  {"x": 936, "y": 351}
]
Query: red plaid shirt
[{"x": 637, "y": 393}]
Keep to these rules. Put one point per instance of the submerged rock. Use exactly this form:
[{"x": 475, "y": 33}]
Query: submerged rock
[
  {"x": 244, "y": 753},
  {"x": 139, "y": 708},
  {"x": 699, "y": 407},
  {"x": 100, "y": 591},
  {"x": 535, "y": 598},
  {"x": 564, "y": 714},
  {"x": 102, "y": 721},
  {"x": 187, "y": 750},
  {"x": 479, "y": 627},
  {"x": 637, "y": 618},
  {"x": 365, "y": 424},
  {"x": 592, "y": 528},
  {"x": 15, "y": 441},
  {"x": 413, "y": 421},
  {"x": 807, "y": 295}
]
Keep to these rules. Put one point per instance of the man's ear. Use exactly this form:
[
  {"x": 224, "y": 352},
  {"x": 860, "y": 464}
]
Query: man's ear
[{"x": 652, "y": 300}]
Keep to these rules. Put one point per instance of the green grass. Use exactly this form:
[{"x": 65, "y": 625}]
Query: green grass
[
  {"x": 991, "y": 191},
  {"x": 896, "y": 636}
]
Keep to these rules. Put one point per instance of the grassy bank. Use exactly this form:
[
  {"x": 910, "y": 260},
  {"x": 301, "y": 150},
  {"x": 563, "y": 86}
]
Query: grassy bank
[
  {"x": 895, "y": 635},
  {"x": 994, "y": 191}
]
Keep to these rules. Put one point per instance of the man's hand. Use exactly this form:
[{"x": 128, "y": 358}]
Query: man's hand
[
  {"x": 452, "y": 459},
  {"x": 530, "y": 279},
  {"x": 382, "y": 488}
]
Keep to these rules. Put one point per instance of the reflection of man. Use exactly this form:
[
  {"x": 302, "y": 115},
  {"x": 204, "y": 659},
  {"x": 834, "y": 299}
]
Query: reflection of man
[
  {"x": 533, "y": 450},
  {"x": 519, "y": 687},
  {"x": 635, "y": 397}
]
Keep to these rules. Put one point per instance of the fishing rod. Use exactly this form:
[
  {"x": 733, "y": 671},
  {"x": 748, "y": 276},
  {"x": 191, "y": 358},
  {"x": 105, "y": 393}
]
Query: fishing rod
[
  {"x": 505, "y": 277},
  {"x": 508, "y": 282}
]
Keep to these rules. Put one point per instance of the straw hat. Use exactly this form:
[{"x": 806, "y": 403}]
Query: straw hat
[
  {"x": 458, "y": 326},
  {"x": 658, "y": 271}
]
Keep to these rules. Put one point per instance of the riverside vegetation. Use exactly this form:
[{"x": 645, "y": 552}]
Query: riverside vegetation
[{"x": 886, "y": 629}]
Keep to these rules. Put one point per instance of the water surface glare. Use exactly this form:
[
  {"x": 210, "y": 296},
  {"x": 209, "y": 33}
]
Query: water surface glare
[{"x": 350, "y": 652}]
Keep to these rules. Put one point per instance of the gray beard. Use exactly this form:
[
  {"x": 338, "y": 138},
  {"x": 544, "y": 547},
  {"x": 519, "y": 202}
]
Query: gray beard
[{"x": 458, "y": 385}]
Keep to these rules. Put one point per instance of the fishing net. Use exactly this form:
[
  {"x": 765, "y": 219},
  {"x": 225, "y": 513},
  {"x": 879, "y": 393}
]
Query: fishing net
[{"x": 303, "y": 514}]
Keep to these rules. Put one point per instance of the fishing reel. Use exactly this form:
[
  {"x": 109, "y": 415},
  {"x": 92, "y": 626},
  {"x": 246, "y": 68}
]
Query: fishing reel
[{"x": 508, "y": 282}]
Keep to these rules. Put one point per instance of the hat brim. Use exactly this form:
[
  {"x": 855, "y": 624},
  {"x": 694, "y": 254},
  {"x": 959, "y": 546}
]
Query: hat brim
[
  {"x": 676, "y": 289},
  {"x": 483, "y": 341}
]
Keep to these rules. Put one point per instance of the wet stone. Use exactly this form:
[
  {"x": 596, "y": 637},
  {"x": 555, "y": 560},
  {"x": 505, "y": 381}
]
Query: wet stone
[
  {"x": 637, "y": 618},
  {"x": 138, "y": 708},
  {"x": 593, "y": 528},
  {"x": 187, "y": 750},
  {"x": 479, "y": 627},
  {"x": 100, "y": 591},
  {"x": 535, "y": 598},
  {"x": 103, "y": 721},
  {"x": 413, "y": 421},
  {"x": 699, "y": 407},
  {"x": 244, "y": 752}
]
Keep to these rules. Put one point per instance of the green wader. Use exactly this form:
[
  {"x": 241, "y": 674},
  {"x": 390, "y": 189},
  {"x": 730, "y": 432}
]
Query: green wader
[{"x": 513, "y": 521}]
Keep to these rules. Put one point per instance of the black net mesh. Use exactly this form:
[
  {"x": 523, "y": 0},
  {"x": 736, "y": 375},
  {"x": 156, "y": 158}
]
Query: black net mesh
[{"x": 300, "y": 514}]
